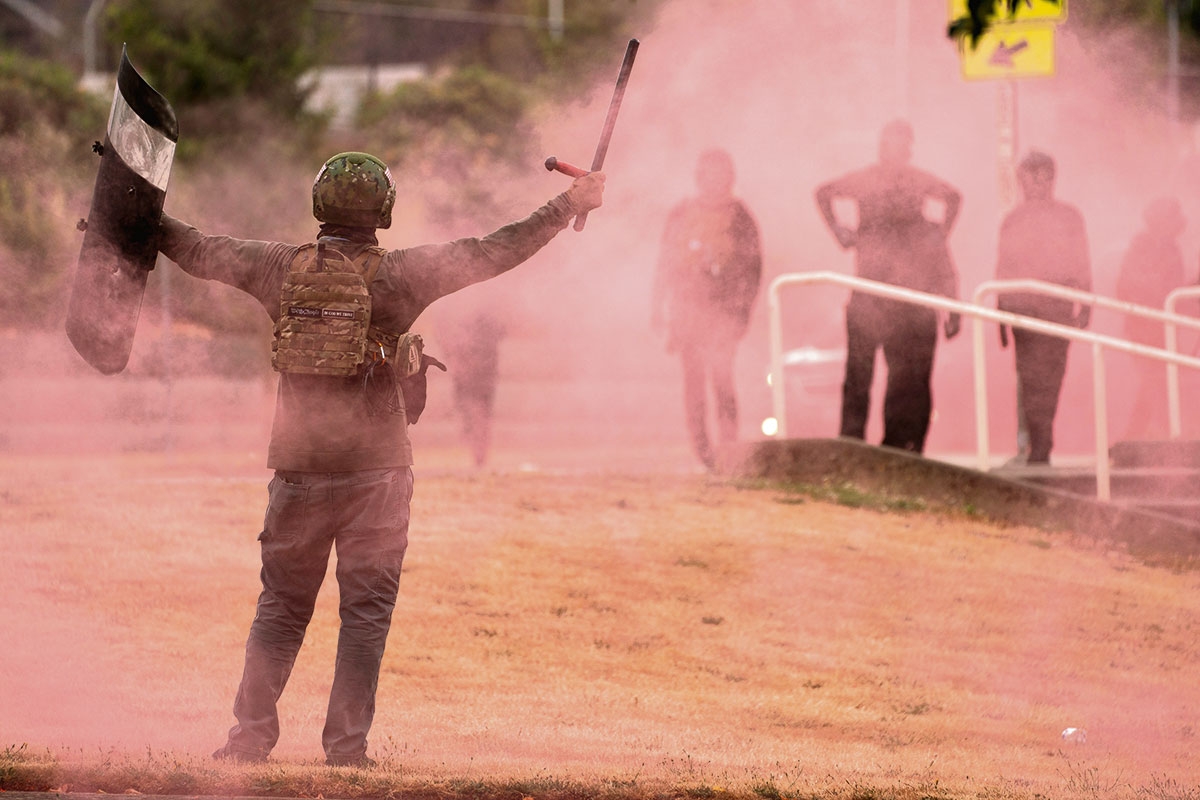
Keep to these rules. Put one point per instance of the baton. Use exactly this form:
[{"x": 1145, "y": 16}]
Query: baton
[{"x": 610, "y": 121}]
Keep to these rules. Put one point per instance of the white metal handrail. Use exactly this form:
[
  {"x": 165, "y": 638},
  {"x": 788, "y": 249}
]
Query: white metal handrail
[
  {"x": 979, "y": 315},
  {"x": 1167, "y": 315},
  {"x": 1171, "y": 342}
]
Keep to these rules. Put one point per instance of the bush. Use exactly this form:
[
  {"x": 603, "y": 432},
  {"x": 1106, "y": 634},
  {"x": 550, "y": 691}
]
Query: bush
[{"x": 46, "y": 128}]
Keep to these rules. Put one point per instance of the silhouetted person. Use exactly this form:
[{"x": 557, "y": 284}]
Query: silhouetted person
[
  {"x": 469, "y": 333},
  {"x": 1044, "y": 239},
  {"x": 894, "y": 243},
  {"x": 709, "y": 269},
  {"x": 1151, "y": 268},
  {"x": 339, "y": 444}
]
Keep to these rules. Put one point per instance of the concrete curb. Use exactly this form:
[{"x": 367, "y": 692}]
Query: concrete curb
[{"x": 1151, "y": 537}]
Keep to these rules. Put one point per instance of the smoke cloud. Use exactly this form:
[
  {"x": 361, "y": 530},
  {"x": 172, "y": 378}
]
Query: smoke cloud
[{"x": 797, "y": 93}]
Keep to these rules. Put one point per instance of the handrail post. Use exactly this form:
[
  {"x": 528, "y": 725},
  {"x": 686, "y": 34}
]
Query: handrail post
[
  {"x": 1174, "y": 414},
  {"x": 979, "y": 314},
  {"x": 1100, "y": 404},
  {"x": 1171, "y": 344},
  {"x": 982, "y": 441},
  {"x": 778, "y": 388}
]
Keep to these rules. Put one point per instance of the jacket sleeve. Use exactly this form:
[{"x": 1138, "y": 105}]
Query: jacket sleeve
[
  {"x": 255, "y": 267},
  {"x": 1081, "y": 268},
  {"x": 748, "y": 252},
  {"x": 411, "y": 279}
]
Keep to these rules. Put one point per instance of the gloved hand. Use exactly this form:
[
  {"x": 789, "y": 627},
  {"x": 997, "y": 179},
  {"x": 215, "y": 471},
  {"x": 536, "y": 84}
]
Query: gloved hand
[
  {"x": 1004, "y": 336},
  {"x": 952, "y": 325},
  {"x": 1083, "y": 316},
  {"x": 587, "y": 192}
]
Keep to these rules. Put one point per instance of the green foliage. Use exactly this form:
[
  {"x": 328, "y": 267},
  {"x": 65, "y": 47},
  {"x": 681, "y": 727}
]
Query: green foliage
[
  {"x": 980, "y": 16},
  {"x": 200, "y": 51},
  {"x": 232, "y": 72},
  {"x": 472, "y": 120},
  {"x": 37, "y": 95},
  {"x": 230, "y": 69},
  {"x": 471, "y": 110},
  {"x": 592, "y": 44},
  {"x": 20, "y": 770},
  {"x": 450, "y": 133},
  {"x": 47, "y": 126},
  {"x": 849, "y": 495}
]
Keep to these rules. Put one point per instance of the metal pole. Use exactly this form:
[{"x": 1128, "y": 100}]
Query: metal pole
[
  {"x": 1172, "y": 61},
  {"x": 1006, "y": 142},
  {"x": 982, "y": 434},
  {"x": 1171, "y": 343},
  {"x": 901, "y": 67},
  {"x": 554, "y": 20},
  {"x": 979, "y": 312},
  {"x": 90, "y": 22},
  {"x": 1174, "y": 414},
  {"x": 778, "y": 389},
  {"x": 1100, "y": 404}
]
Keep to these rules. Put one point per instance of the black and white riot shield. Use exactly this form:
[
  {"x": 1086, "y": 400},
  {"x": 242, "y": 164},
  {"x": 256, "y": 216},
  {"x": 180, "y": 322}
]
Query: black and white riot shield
[{"x": 120, "y": 243}]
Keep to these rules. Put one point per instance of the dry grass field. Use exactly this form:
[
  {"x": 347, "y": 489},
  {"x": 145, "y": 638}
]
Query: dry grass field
[{"x": 596, "y": 633}]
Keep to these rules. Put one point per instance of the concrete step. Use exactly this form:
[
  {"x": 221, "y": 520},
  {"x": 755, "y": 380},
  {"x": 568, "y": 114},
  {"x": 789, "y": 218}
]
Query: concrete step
[
  {"x": 1140, "y": 482},
  {"x": 1156, "y": 453},
  {"x": 1181, "y": 507},
  {"x": 1173, "y": 490}
]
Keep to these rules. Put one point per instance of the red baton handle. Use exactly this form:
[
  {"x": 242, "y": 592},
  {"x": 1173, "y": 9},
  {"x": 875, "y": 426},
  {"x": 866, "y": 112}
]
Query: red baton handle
[{"x": 554, "y": 165}]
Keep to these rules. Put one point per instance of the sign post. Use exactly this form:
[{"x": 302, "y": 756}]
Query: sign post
[{"x": 1019, "y": 46}]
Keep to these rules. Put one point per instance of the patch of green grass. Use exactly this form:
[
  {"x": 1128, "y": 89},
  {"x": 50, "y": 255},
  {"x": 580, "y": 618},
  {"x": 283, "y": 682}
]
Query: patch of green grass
[
  {"x": 845, "y": 494},
  {"x": 21, "y": 771}
]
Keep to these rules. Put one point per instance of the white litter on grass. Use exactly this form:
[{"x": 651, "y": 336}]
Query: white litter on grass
[{"x": 1074, "y": 735}]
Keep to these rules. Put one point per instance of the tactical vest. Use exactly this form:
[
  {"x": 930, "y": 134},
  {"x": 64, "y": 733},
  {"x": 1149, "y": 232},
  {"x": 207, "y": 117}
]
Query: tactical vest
[{"x": 324, "y": 325}]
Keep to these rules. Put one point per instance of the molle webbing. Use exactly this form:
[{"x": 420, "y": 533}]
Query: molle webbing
[{"x": 325, "y": 312}]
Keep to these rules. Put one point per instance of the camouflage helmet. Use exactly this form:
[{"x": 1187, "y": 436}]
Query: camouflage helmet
[{"x": 354, "y": 189}]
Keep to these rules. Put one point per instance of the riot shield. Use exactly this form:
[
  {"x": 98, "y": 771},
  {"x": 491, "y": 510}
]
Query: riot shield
[{"x": 120, "y": 242}]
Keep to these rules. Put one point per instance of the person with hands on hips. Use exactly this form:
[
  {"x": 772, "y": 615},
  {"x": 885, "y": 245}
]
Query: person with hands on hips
[{"x": 894, "y": 243}]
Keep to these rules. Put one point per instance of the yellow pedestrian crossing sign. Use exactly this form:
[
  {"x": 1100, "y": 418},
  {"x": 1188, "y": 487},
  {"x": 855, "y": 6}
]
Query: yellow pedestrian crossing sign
[
  {"x": 1011, "y": 51},
  {"x": 1025, "y": 11}
]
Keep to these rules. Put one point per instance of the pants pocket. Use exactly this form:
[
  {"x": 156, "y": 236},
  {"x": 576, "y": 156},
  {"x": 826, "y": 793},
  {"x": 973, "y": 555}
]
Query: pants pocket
[{"x": 286, "y": 511}]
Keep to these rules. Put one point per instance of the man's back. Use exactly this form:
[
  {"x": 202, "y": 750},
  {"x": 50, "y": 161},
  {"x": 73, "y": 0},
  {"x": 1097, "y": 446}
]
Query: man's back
[
  {"x": 322, "y": 424},
  {"x": 1046, "y": 240}
]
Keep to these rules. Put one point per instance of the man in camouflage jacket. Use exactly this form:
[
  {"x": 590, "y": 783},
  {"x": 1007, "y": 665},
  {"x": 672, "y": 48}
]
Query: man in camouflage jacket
[{"x": 342, "y": 474}]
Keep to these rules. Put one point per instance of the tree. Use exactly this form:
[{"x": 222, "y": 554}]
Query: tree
[
  {"x": 227, "y": 66},
  {"x": 47, "y": 126},
  {"x": 980, "y": 16},
  {"x": 462, "y": 130}
]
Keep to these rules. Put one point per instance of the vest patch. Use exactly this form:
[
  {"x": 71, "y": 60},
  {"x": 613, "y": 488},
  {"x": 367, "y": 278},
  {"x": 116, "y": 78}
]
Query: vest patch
[{"x": 319, "y": 313}]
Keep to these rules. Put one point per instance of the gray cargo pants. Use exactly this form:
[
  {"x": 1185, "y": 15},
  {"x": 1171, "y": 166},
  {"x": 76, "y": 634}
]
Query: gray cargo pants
[{"x": 365, "y": 515}]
